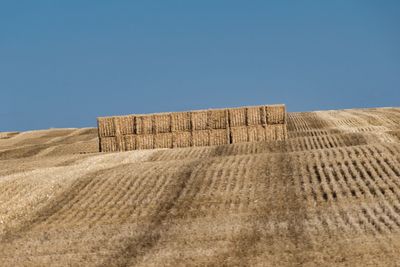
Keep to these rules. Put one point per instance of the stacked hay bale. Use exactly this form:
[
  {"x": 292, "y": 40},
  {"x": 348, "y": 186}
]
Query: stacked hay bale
[
  {"x": 192, "y": 128},
  {"x": 258, "y": 123}
]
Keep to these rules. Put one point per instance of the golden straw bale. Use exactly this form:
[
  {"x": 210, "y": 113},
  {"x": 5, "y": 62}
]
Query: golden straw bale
[
  {"x": 138, "y": 124},
  {"x": 256, "y": 133},
  {"x": 280, "y": 132},
  {"x": 116, "y": 121},
  {"x": 254, "y": 115},
  {"x": 106, "y": 126},
  {"x": 276, "y": 114},
  {"x": 219, "y": 137},
  {"x": 120, "y": 143},
  {"x": 162, "y": 123},
  {"x": 252, "y": 134},
  {"x": 217, "y": 119},
  {"x": 180, "y": 121},
  {"x": 263, "y": 115},
  {"x": 182, "y": 139},
  {"x": 163, "y": 140},
  {"x": 270, "y": 133},
  {"x": 237, "y": 117},
  {"x": 144, "y": 141},
  {"x": 123, "y": 125},
  {"x": 108, "y": 144},
  {"x": 144, "y": 124},
  {"x": 199, "y": 120},
  {"x": 239, "y": 134},
  {"x": 284, "y": 131},
  {"x": 129, "y": 125},
  {"x": 130, "y": 142},
  {"x": 201, "y": 138}
]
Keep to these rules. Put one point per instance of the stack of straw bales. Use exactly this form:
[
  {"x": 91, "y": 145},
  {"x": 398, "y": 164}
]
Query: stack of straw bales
[{"x": 192, "y": 128}]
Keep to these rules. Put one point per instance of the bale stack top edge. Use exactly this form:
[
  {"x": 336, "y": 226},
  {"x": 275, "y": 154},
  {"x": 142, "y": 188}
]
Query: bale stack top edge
[{"x": 194, "y": 110}]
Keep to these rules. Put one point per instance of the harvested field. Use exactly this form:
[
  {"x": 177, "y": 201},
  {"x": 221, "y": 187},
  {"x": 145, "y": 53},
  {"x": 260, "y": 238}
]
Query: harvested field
[
  {"x": 328, "y": 195},
  {"x": 6, "y": 135}
]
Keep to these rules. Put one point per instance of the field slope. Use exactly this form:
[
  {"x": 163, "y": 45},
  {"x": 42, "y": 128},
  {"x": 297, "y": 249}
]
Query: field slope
[{"x": 329, "y": 195}]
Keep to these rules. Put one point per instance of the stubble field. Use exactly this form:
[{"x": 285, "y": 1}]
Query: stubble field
[{"x": 329, "y": 195}]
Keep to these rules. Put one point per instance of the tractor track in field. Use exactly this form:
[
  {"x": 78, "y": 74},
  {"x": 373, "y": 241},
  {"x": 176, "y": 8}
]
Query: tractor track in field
[
  {"x": 137, "y": 246},
  {"x": 276, "y": 189},
  {"x": 284, "y": 181}
]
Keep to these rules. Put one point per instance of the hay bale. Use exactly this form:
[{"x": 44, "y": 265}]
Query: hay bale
[
  {"x": 276, "y": 132},
  {"x": 124, "y": 125},
  {"x": 263, "y": 115},
  {"x": 261, "y": 133},
  {"x": 276, "y": 114},
  {"x": 180, "y": 122},
  {"x": 162, "y": 123},
  {"x": 144, "y": 124},
  {"x": 116, "y": 121},
  {"x": 219, "y": 137},
  {"x": 217, "y": 119},
  {"x": 163, "y": 140},
  {"x": 144, "y": 141},
  {"x": 256, "y": 133},
  {"x": 252, "y": 134},
  {"x": 285, "y": 131},
  {"x": 120, "y": 143},
  {"x": 105, "y": 126},
  {"x": 199, "y": 120},
  {"x": 182, "y": 139},
  {"x": 129, "y": 125},
  {"x": 270, "y": 133},
  {"x": 201, "y": 138},
  {"x": 130, "y": 142},
  {"x": 254, "y": 115},
  {"x": 239, "y": 134},
  {"x": 237, "y": 117},
  {"x": 108, "y": 144},
  {"x": 280, "y": 132}
]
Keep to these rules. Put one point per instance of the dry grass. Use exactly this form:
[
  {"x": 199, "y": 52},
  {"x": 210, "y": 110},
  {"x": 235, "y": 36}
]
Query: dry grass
[
  {"x": 7, "y": 135},
  {"x": 329, "y": 195}
]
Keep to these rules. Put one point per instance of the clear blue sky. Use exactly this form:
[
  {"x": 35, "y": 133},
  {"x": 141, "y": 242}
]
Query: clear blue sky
[{"x": 63, "y": 63}]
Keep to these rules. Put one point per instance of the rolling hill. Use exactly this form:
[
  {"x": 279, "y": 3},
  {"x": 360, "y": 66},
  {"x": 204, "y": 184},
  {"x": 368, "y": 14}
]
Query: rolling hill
[{"x": 329, "y": 195}]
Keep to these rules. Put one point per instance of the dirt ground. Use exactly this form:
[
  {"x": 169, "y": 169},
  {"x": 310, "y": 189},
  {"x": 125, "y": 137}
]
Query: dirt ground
[{"x": 328, "y": 196}]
